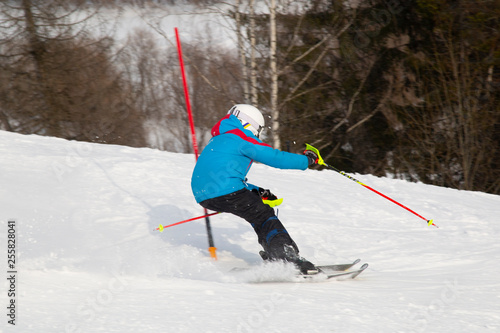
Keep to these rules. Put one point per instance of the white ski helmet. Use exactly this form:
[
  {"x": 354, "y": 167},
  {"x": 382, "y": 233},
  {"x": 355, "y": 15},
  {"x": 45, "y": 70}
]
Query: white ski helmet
[{"x": 251, "y": 118}]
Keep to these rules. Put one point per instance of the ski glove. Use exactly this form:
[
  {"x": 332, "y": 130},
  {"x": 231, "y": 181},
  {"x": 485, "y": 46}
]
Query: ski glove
[
  {"x": 265, "y": 194},
  {"x": 267, "y": 197},
  {"x": 311, "y": 156}
]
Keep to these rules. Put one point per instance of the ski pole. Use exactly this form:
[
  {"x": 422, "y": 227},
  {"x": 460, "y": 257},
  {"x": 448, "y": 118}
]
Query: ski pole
[
  {"x": 322, "y": 162},
  {"x": 161, "y": 227}
]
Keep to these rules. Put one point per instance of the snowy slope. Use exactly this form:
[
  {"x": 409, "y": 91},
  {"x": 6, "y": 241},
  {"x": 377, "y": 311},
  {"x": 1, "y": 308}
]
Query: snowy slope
[{"x": 89, "y": 260}]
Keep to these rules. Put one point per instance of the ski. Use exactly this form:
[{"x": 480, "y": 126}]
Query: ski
[
  {"x": 337, "y": 267},
  {"x": 325, "y": 272},
  {"x": 323, "y": 268},
  {"x": 350, "y": 274}
]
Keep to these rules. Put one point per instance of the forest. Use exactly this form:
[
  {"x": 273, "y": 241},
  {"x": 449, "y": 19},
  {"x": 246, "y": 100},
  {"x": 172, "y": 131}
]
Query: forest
[{"x": 407, "y": 89}]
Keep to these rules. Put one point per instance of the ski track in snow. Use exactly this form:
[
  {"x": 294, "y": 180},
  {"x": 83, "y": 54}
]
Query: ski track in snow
[{"x": 89, "y": 259}]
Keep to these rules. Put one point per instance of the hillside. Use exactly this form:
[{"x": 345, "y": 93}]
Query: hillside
[{"x": 89, "y": 260}]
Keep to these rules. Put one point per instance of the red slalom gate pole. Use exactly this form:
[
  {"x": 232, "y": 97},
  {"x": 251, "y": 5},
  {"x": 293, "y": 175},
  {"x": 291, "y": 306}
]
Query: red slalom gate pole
[
  {"x": 161, "y": 227},
  {"x": 211, "y": 247},
  {"x": 186, "y": 95}
]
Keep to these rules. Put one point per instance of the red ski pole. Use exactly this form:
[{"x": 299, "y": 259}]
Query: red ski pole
[
  {"x": 322, "y": 162},
  {"x": 161, "y": 227}
]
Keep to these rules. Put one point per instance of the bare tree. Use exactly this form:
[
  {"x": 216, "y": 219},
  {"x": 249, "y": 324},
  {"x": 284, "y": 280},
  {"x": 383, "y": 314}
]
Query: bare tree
[
  {"x": 156, "y": 90},
  {"x": 274, "y": 75},
  {"x": 270, "y": 60},
  {"x": 62, "y": 80},
  {"x": 214, "y": 80},
  {"x": 450, "y": 133},
  {"x": 241, "y": 51},
  {"x": 253, "y": 62}
]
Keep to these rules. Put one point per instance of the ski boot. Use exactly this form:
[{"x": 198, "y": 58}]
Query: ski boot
[{"x": 288, "y": 253}]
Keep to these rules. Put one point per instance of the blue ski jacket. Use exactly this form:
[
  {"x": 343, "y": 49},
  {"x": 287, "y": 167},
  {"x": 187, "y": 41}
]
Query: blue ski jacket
[{"x": 224, "y": 163}]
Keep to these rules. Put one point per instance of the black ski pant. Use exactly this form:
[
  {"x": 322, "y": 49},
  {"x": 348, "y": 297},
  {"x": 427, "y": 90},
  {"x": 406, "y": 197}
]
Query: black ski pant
[{"x": 248, "y": 205}]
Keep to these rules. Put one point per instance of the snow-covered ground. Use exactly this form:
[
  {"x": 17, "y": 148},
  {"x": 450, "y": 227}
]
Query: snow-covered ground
[{"x": 89, "y": 260}]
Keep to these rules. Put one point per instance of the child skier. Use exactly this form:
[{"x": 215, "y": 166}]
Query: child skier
[{"x": 219, "y": 180}]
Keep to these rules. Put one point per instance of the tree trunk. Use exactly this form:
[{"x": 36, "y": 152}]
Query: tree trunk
[
  {"x": 253, "y": 63},
  {"x": 241, "y": 50},
  {"x": 274, "y": 78}
]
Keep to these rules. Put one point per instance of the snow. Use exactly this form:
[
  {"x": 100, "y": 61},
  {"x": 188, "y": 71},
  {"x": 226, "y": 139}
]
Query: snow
[{"x": 89, "y": 259}]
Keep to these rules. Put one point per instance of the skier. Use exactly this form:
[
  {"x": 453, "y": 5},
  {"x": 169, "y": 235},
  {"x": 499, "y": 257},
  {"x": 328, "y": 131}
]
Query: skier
[{"x": 219, "y": 181}]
